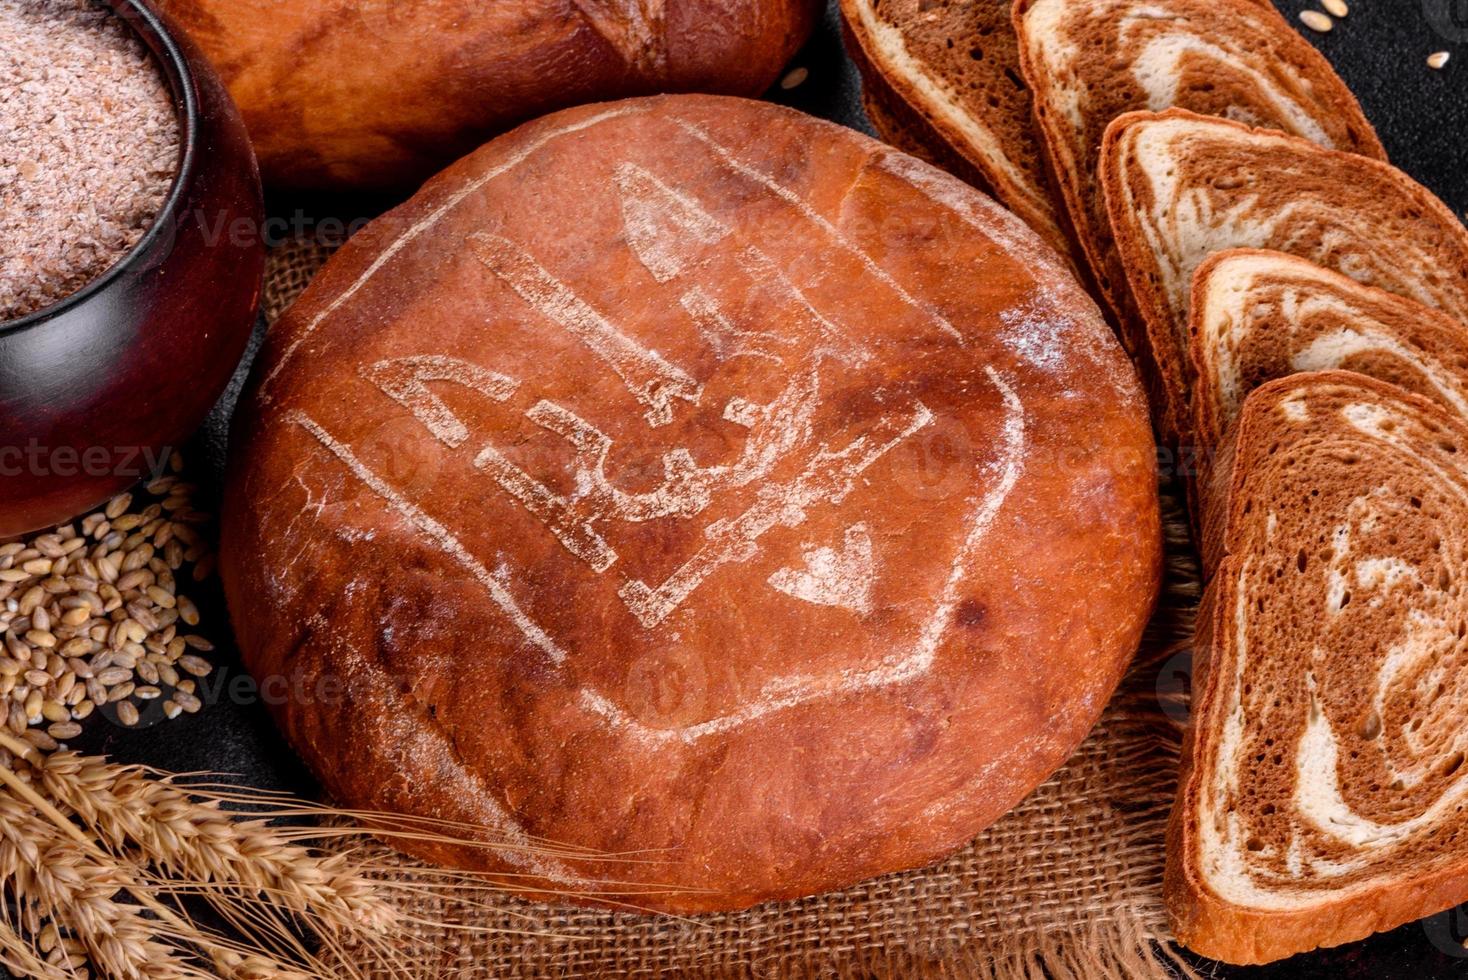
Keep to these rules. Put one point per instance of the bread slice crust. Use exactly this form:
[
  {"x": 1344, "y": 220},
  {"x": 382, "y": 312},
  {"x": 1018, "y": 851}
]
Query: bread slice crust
[
  {"x": 1180, "y": 186},
  {"x": 963, "y": 108},
  {"x": 1232, "y": 58},
  {"x": 1270, "y": 853},
  {"x": 1258, "y": 315}
]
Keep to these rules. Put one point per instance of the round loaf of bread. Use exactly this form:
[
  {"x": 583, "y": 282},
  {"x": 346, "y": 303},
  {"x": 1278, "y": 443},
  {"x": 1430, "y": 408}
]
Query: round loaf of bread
[
  {"x": 690, "y": 477},
  {"x": 379, "y": 94}
]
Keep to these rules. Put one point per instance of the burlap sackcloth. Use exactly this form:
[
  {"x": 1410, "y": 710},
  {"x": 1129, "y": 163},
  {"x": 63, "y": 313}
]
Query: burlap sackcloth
[{"x": 1068, "y": 885}]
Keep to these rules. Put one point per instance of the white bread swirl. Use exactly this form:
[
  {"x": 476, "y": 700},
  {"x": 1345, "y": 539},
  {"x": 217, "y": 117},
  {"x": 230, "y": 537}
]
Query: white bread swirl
[
  {"x": 1180, "y": 187},
  {"x": 1323, "y": 782},
  {"x": 1259, "y": 315},
  {"x": 942, "y": 81},
  {"x": 1089, "y": 61}
]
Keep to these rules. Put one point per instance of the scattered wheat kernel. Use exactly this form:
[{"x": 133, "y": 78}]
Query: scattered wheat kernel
[
  {"x": 127, "y": 714},
  {"x": 113, "y": 675},
  {"x": 1337, "y": 8},
  {"x": 1316, "y": 21},
  {"x": 1438, "y": 59},
  {"x": 61, "y": 731},
  {"x": 194, "y": 665},
  {"x": 794, "y": 78},
  {"x": 40, "y": 740},
  {"x": 187, "y": 611},
  {"x": 118, "y": 506}
]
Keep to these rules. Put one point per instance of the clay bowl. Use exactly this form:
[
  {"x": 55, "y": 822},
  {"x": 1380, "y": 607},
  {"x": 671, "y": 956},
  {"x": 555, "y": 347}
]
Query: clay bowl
[{"x": 96, "y": 388}]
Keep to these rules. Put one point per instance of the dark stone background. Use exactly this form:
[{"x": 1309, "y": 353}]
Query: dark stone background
[{"x": 1422, "y": 117}]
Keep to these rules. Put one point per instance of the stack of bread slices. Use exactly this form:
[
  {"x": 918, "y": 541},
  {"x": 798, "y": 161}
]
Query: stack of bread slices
[{"x": 1299, "y": 309}]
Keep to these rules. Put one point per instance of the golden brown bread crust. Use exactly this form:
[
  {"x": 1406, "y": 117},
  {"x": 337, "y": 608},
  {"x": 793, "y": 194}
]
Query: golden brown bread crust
[
  {"x": 1333, "y": 913},
  {"x": 908, "y": 536},
  {"x": 1233, "y": 185},
  {"x": 379, "y": 94},
  {"x": 1246, "y": 61},
  {"x": 985, "y": 88}
]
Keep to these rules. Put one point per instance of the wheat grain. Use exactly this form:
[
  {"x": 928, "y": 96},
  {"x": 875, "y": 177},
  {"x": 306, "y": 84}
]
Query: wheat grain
[
  {"x": 99, "y": 596},
  {"x": 1317, "y": 21}
]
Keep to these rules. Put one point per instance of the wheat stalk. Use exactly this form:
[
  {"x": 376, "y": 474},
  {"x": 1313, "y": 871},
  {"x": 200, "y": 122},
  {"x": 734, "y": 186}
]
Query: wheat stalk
[
  {"x": 197, "y": 850},
  {"x": 50, "y": 877},
  {"x": 190, "y": 837},
  {"x": 125, "y": 848},
  {"x": 251, "y": 872},
  {"x": 95, "y": 924}
]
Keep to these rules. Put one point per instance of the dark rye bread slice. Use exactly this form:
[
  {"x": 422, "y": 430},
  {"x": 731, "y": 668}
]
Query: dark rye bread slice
[
  {"x": 1258, "y": 315},
  {"x": 1180, "y": 186},
  {"x": 1323, "y": 787},
  {"x": 1089, "y": 61},
  {"x": 941, "y": 80}
]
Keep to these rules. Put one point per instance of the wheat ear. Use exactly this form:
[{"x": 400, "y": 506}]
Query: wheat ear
[
  {"x": 48, "y": 876},
  {"x": 255, "y": 875},
  {"x": 235, "y": 959},
  {"x": 193, "y": 838}
]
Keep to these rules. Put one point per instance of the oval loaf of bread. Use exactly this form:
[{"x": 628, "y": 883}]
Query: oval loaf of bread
[
  {"x": 1324, "y": 788},
  {"x": 692, "y": 478},
  {"x": 379, "y": 94}
]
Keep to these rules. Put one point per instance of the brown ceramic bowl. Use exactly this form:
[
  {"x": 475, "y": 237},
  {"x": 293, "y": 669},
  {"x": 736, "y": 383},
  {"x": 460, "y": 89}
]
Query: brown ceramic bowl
[{"x": 96, "y": 388}]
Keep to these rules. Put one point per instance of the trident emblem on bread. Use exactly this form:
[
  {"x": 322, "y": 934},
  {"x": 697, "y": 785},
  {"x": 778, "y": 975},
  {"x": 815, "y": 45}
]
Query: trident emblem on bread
[{"x": 674, "y": 239}]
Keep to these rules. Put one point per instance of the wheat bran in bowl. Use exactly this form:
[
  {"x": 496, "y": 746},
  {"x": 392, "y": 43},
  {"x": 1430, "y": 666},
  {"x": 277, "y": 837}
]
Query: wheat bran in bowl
[{"x": 89, "y": 145}]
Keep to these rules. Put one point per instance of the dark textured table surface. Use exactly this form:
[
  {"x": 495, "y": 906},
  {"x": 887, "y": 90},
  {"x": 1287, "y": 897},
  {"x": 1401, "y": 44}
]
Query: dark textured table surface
[{"x": 1422, "y": 117}]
